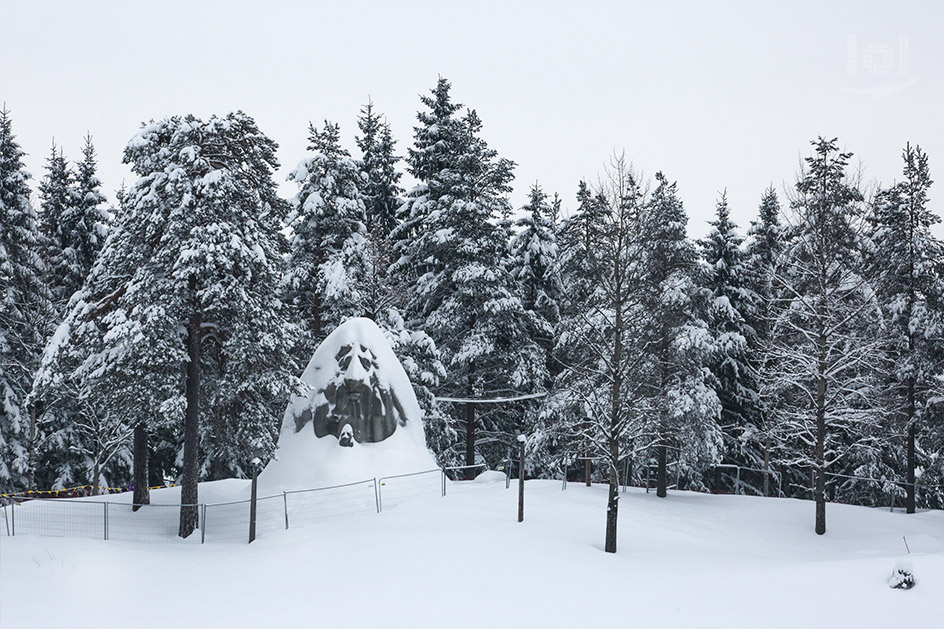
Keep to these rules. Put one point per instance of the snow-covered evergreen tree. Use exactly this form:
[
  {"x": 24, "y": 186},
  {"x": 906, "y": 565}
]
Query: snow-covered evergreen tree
[
  {"x": 762, "y": 257},
  {"x": 325, "y": 266},
  {"x": 88, "y": 222},
  {"x": 58, "y": 199},
  {"x": 456, "y": 261},
  {"x": 823, "y": 350},
  {"x": 730, "y": 306},
  {"x": 180, "y": 322},
  {"x": 381, "y": 191},
  {"x": 534, "y": 258},
  {"x": 24, "y": 311},
  {"x": 687, "y": 406},
  {"x": 905, "y": 262}
]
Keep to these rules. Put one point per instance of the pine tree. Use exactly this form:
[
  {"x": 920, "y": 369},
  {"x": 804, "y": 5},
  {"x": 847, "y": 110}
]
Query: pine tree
[
  {"x": 686, "y": 416},
  {"x": 823, "y": 353},
  {"x": 456, "y": 261},
  {"x": 24, "y": 311},
  {"x": 905, "y": 259},
  {"x": 731, "y": 304},
  {"x": 325, "y": 264},
  {"x": 378, "y": 159}
]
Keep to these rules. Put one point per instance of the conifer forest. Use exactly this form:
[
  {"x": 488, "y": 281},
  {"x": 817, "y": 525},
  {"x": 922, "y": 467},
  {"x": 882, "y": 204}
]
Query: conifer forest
[{"x": 156, "y": 339}]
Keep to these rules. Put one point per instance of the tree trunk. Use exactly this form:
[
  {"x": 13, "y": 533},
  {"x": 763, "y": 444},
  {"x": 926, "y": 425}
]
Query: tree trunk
[
  {"x": 141, "y": 494},
  {"x": 470, "y": 440},
  {"x": 819, "y": 456},
  {"x": 612, "y": 501},
  {"x": 767, "y": 465},
  {"x": 189, "y": 515},
  {"x": 587, "y": 468},
  {"x": 96, "y": 474},
  {"x": 661, "y": 473},
  {"x": 31, "y": 475},
  {"x": 912, "y": 432}
]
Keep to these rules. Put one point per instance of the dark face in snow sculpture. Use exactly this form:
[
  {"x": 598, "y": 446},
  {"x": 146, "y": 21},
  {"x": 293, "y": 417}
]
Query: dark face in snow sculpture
[{"x": 357, "y": 407}]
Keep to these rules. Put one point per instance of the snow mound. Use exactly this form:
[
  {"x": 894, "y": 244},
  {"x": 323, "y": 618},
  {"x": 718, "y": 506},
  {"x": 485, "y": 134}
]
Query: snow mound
[
  {"x": 902, "y": 576},
  {"x": 394, "y": 444}
]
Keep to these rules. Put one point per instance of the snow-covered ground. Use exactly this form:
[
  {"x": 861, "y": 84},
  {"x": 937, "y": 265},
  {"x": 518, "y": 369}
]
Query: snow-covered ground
[{"x": 689, "y": 560}]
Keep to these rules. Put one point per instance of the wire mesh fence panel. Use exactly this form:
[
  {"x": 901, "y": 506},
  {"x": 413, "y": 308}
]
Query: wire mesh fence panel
[
  {"x": 150, "y": 523},
  {"x": 270, "y": 515},
  {"x": 396, "y": 489},
  {"x": 316, "y": 506},
  {"x": 226, "y": 522},
  {"x": 59, "y": 518}
]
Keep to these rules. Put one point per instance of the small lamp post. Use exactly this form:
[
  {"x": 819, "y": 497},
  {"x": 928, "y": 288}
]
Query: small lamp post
[{"x": 521, "y": 441}]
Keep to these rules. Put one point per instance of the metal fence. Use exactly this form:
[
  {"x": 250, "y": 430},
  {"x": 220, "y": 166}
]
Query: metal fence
[{"x": 230, "y": 521}]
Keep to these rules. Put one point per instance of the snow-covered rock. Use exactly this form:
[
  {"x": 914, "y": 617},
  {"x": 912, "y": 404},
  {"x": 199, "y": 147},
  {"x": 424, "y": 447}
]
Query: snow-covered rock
[{"x": 359, "y": 418}]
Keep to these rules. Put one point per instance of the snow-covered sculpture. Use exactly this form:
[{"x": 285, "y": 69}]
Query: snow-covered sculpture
[
  {"x": 358, "y": 419},
  {"x": 356, "y": 405}
]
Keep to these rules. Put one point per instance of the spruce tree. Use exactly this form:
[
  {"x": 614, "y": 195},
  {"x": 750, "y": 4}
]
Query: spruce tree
[
  {"x": 58, "y": 199},
  {"x": 180, "y": 322},
  {"x": 456, "y": 261},
  {"x": 88, "y": 222},
  {"x": 687, "y": 406},
  {"x": 762, "y": 257},
  {"x": 24, "y": 312},
  {"x": 905, "y": 260},
  {"x": 77, "y": 443},
  {"x": 381, "y": 190},
  {"x": 534, "y": 259},
  {"x": 325, "y": 267},
  {"x": 730, "y": 306}
]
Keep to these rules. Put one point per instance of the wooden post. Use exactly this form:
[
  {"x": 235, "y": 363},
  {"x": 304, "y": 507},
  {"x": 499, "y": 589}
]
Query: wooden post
[
  {"x": 587, "y": 468},
  {"x": 521, "y": 440}
]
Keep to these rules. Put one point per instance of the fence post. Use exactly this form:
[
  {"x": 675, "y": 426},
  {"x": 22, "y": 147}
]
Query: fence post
[
  {"x": 648, "y": 474},
  {"x": 737, "y": 482},
  {"x": 5, "y": 520},
  {"x": 285, "y": 506},
  {"x": 891, "y": 509},
  {"x": 563, "y": 482},
  {"x": 521, "y": 442},
  {"x": 678, "y": 475},
  {"x": 443, "y": 481},
  {"x": 105, "y": 504},
  {"x": 13, "y": 516},
  {"x": 378, "y": 498}
]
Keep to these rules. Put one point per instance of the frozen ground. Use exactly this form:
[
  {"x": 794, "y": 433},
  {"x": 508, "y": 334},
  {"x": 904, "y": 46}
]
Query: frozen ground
[{"x": 689, "y": 560}]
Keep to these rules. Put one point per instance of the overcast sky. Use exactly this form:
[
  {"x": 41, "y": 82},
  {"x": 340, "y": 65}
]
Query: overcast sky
[{"x": 716, "y": 95}]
